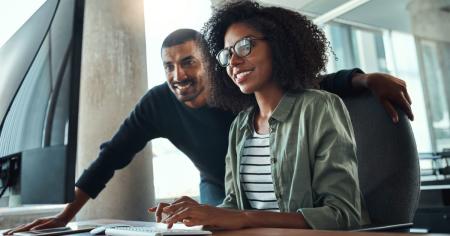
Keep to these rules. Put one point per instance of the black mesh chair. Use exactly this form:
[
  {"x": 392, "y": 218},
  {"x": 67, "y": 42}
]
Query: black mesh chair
[{"x": 388, "y": 163}]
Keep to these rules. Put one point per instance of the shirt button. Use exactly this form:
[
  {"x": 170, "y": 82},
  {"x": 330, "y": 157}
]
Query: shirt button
[{"x": 273, "y": 160}]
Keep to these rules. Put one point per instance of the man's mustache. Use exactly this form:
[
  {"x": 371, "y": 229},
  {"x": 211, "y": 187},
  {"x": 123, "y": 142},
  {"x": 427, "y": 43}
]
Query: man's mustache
[{"x": 183, "y": 82}]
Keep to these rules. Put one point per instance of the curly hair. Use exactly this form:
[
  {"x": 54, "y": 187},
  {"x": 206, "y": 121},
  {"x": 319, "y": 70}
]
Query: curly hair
[{"x": 299, "y": 50}]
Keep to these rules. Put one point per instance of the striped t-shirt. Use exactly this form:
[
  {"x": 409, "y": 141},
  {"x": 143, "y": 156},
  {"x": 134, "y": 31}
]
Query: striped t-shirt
[{"x": 256, "y": 174}]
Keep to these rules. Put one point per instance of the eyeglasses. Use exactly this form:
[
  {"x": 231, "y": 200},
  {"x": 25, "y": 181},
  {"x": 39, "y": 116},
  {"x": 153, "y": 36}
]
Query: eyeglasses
[{"x": 241, "y": 48}]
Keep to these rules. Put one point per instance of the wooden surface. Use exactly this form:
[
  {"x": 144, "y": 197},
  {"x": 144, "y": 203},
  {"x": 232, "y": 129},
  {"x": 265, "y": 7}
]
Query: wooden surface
[
  {"x": 260, "y": 231},
  {"x": 247, "y": 232}
]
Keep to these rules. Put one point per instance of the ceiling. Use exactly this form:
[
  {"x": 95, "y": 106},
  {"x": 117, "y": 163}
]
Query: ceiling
[{"x": 386, "y": 14}]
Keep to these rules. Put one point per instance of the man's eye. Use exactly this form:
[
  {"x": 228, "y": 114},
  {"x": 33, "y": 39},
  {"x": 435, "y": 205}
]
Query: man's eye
[
  {"x": 168, "y": 67},
  {"x": 189, "y": 62}
]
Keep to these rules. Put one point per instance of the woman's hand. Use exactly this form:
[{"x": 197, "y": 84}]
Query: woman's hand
[
  {"x": 158, "y": 210},
  {"x": 42, "y": 223},
  {"x": 389, "y": 90},
  {"x": 196, "y": 214},
  {"x": 190, "y": 212}
]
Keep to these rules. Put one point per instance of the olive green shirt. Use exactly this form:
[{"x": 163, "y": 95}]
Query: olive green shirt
[{"x": 313, "y": 156}]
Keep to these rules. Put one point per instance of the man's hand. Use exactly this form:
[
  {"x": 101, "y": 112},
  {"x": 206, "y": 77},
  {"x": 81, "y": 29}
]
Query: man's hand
[
  {"x": 389, "y": 90},
  {"x": 42, "y": 223},
  {"x": 60, "y": 220}
]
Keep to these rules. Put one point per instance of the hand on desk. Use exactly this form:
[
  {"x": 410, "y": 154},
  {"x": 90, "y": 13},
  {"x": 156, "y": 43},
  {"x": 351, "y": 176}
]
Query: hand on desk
[
  {"x": 42, "y": 223},
  {"x": 191, "y": 213},
  {"x": 158, "y": 210}
]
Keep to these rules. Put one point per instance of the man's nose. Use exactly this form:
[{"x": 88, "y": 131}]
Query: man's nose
[{"x": 179, "y": 74}]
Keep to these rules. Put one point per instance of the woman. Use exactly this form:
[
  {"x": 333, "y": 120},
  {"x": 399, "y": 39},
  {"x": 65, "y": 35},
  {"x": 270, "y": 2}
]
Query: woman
[{"x": 291, "y": 159}]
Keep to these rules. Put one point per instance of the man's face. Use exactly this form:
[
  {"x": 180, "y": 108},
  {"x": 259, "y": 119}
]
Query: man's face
[{"x": 185, "y": 73}]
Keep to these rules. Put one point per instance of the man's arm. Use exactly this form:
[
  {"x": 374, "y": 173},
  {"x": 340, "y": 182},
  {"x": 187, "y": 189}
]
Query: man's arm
[
  {"x": 389, "y": 90},
  {"x": 340, "y": 82},
  {"x": 132, "y": 136},
  {"x": 59, "y": 220},
  {"x": 142, "y": 125}
]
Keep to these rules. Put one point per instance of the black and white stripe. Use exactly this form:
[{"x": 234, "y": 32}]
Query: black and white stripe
[{"x": 256, "y": 173}]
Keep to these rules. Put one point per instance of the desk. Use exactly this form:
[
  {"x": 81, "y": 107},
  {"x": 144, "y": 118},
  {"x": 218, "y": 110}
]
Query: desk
[{"x": 258, "y": 231}]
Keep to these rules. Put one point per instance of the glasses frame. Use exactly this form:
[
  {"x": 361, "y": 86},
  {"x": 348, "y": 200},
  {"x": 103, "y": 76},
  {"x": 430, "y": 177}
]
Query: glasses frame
[{"x": 232, "y": 50}]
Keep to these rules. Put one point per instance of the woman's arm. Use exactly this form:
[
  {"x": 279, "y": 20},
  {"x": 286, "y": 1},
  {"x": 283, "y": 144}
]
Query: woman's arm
[
  {"x": 335, "y": 183},
  {"x": 230, "y": 161},
  {"x": 195, "y": 214},
  {"x": 274, "y": 220}
]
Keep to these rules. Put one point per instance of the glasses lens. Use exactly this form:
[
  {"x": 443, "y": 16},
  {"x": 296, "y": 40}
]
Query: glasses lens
[
  {"x": 243, "y": 47},
  {"x": 223, "y": 57}
]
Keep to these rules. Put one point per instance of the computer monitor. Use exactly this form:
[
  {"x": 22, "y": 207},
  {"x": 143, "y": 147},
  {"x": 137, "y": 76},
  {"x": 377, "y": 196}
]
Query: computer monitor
[{"x": 39, "y": 90}]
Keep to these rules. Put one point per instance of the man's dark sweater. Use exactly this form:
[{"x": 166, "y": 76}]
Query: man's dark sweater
[{"x": 202, "y": 134}]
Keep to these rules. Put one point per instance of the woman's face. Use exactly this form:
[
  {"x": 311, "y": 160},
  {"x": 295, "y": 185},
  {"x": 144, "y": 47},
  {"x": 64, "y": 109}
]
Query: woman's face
[{"x": 253, "y": 72}]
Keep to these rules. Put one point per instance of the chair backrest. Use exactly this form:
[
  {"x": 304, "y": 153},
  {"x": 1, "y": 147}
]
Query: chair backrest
[{"x": 388, "y": 163}]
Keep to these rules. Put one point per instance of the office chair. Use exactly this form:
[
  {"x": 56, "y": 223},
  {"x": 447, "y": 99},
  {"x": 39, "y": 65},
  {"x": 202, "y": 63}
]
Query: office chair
[{"x": 388, "y": 163}]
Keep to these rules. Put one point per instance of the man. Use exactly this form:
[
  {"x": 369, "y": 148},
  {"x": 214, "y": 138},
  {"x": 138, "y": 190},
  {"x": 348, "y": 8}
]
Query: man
[{"x": 178, "y": 110}]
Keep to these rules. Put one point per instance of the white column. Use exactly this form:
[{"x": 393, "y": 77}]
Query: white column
[
  {"x": 430, "y": 19},
  {"x": 113, "y": 79}
]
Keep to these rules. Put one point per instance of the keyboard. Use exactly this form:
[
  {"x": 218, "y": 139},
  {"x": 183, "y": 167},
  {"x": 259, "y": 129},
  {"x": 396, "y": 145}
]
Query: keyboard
[{"x": 152, "y": 231}]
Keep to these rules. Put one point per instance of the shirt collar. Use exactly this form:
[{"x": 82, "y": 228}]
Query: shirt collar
[{"x": 281, "y": 112}]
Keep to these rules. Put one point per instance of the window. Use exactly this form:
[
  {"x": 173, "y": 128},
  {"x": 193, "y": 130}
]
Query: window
[
  {"x": 385, "y": 51},
  {"x": 341, "y": 43},
  {"x": 15, "y": 13},
  {"x": 435, "y": 57},
  {"x": 403, "y": 46},
  {"x": 186, "y": 14},
  {"x": 355, "y": 47}
]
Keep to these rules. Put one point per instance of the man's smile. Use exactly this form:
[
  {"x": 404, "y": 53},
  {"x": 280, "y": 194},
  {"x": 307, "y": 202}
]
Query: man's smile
[{"x": 183, "y": 86}]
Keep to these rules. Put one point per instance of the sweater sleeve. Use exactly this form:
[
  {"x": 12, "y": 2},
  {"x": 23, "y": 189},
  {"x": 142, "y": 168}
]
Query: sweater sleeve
[
  {"x": 132, "y": 136},
  {"x": 339, "y": 83}
]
